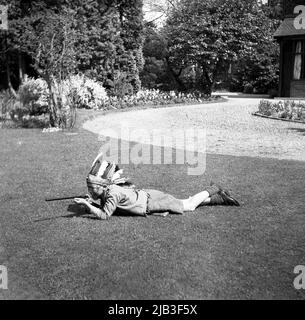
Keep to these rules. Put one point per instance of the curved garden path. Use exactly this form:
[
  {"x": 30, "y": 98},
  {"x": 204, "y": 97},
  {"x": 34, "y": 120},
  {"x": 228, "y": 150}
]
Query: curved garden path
[{"x": 230, "y": 128}]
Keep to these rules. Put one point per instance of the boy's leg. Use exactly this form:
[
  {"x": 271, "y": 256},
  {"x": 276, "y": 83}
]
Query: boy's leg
[
  {"x": 206, "y": 201},
  {"x": 160, "y": 202},
  {"x": 198, "y": 199},
  {"x": 215, "y": 199},
  {"x": 213, "y": 195}
]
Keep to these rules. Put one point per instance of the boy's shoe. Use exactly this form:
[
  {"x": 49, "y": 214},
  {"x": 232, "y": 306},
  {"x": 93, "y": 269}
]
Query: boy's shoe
[{"x": 228, "y": 200}]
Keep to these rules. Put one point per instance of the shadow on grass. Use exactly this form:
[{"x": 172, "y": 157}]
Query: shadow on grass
[
  {"x": 77, "y": 212},
  {"x": 81, "y": 212},
  {"x": 299, "y": 130},
  {"x": 23, "y": 124}
]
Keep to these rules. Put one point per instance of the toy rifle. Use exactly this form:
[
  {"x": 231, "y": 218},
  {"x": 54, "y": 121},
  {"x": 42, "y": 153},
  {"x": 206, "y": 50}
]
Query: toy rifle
[{"x": 66, "y": 198}]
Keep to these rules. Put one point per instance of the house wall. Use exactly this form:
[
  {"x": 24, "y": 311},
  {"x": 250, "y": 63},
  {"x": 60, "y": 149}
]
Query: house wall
[
  {"x": 288, "y": 86},
  {"x": 287, "y": 68},
  {"x": 297, "y": 89}
]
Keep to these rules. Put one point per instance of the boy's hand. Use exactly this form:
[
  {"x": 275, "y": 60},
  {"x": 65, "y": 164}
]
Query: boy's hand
[
  {"x": 89, "y": 198},
  {"x": 81, "y": 201}
]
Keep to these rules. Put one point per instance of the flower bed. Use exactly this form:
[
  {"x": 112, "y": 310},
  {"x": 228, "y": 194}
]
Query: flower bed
[
  {"x": 31, "y": 105},
  {"x": 155, "y": 97},
  {"x": 285, "y": 110}
]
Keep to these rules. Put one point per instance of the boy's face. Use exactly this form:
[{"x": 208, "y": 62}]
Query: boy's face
[{"x": 96, "y": 190}]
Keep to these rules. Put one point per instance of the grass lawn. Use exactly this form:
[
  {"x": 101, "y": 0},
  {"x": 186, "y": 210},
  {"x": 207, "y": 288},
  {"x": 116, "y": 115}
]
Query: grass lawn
[{"x": 214, "y": 253}]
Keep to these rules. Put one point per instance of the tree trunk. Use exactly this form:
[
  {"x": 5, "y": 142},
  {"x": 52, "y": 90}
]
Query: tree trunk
[
  {"x": 53, "y": 103},
  {"x": 8, "y": 69},
  {"x": 175, "y": 76},
  {"x": 9, "y": 83},
  {"x": 208, "y": 84},
  {"x": 210, "y": 78},
  {"x": 21, "y": 67}
]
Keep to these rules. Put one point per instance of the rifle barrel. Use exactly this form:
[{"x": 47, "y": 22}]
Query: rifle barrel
[{"x": 65, "y": 198}]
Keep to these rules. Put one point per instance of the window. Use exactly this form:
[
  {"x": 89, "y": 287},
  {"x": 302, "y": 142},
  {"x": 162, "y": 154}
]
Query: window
[{"x": 299, "y": 60}]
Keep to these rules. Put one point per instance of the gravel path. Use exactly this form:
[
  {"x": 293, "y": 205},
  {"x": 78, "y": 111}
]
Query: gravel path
[{"x": 230, "y": 129}]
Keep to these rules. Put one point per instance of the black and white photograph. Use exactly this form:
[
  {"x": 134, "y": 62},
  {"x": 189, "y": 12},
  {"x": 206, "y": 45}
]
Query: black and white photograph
[{"x": 152, "y": 153}]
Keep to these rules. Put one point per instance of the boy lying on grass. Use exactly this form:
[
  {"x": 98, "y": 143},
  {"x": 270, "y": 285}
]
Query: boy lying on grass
[{"x": 104, "y": 183}]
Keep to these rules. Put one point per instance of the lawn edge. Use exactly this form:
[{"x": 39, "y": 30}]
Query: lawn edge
[{"x": 257, "y": 114}]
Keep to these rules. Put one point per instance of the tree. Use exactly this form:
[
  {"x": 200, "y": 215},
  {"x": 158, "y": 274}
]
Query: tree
[
  {"x": 257, "y": 66},
  {"x": 157, "y": 11},
  {"x": 8, "y": 52},
  {"x": 211, "y": 35},
  {"x": 131, "y": 64},
  {"x": 17, "y": 60},
  {"x": 154, "y": 73},
  {"x": 108, "y": 33},
  {"x": 48, "y": 36},
  {"x": 110, "y": 38}
]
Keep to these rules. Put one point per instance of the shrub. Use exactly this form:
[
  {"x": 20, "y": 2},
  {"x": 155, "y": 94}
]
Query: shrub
[
  {"x": 79, "y": 90},
  {"x": 18, "y": 112},
  {"x": 7, "y": 102},
  {"x": 284, "y": 110},
  {"x": 76, "y": 92},
  {"x": 83, "y": 92},
  {"x": 33, "y": 95},
  {"x": 265, "y": 107},
  {"x": 248, "y": 88}
]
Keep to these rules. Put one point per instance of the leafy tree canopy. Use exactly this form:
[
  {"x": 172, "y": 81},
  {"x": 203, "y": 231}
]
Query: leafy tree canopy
[{"x": 213, "y": 33}]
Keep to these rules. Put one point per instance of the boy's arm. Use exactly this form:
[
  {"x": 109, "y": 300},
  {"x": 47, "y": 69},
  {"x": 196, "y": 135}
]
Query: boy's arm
[
  {"x": 93, "y": 209},
  {"x": 108, "y": 208}
]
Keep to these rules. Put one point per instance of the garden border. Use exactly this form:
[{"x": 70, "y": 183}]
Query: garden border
[
  {"x": 257, "y": 114},
  {"x": 102, "y": 112}
]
